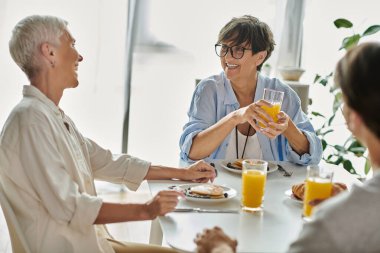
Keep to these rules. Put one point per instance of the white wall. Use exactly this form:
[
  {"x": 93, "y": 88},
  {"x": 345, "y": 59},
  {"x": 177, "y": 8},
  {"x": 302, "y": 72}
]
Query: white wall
[
  {"x": 99, "y": 27},
  {"x": 322, "y": 41},
  {"x": 162, "y": 89},
  {"x": 164, "y": 78}
]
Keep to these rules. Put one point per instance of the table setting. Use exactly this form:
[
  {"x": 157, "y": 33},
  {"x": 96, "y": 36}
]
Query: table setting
[{"x": 265, "y": 224}]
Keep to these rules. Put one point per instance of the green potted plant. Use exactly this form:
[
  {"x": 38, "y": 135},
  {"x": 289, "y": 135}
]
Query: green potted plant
[{"x": 340, "y": 153}]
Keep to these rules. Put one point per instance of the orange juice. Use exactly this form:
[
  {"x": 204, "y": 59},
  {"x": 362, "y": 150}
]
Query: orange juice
[
  {"x": 315, "y": 188},
  {"x": 253, "y": 185},
  {"x": 272, "y": 111}
]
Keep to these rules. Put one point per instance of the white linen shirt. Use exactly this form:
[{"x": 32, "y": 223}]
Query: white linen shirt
[
  {"x": 48, "y": 175},
  {"x": 252, "y": 149}
]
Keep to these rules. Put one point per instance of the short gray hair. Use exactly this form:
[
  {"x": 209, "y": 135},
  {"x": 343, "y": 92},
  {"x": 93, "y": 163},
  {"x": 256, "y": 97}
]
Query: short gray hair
[{"x": 28, "y": 35}]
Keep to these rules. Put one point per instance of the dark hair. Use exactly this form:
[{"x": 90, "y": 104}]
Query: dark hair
[
  {"x": 358, "y": 75},
  {"x": 251, "y": 30}
]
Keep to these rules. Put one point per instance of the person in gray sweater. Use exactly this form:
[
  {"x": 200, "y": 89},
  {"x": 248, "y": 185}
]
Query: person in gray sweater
[{"x": 350, "y": 221}]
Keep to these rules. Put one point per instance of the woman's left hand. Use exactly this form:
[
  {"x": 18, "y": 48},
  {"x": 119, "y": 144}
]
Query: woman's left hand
[
  {"x": 200, "y": 172},
  {"x": 214, "y": 240},
  {"x": 274, "y": 129}
]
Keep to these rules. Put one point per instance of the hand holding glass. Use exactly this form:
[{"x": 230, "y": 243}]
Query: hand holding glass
[
  {"x": 253, "y": 184},
  {"x": 275, "y": 98},
  {"x": 318, "y": 186}
]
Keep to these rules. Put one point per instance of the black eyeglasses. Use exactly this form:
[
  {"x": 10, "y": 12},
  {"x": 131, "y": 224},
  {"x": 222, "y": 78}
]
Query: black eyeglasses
[{"x": 237, "y": 52}]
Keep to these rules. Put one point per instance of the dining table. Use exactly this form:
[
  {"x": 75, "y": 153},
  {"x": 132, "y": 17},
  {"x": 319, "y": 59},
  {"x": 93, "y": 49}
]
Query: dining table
[{"x": 271, "y": 230}]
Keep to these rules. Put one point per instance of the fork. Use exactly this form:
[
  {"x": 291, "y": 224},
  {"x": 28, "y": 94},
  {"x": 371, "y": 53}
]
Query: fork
[{"x": 286, "y": 173}]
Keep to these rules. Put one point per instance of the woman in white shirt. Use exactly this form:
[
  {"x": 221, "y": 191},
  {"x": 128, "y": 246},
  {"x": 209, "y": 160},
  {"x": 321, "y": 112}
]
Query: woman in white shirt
[{"x": 47, "y": 167}]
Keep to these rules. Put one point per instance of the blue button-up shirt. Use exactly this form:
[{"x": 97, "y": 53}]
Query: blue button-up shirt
[{"x": 214, "y": 98}]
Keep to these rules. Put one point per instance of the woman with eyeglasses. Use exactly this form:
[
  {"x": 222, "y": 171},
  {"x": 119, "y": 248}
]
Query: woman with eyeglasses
[
  {"x": 225, "y": 109},
  {"x": 350, "y": 221}
]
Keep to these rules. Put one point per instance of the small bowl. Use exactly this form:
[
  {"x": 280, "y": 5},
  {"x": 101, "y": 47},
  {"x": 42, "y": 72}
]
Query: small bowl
[{"x": 291, "y": 73}]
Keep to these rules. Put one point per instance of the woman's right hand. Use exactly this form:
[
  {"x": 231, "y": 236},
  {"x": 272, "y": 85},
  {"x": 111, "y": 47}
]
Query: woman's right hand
[
  {"x": 163, "y": 203},
  {"x": 253, "y": 114},
  {"x": 208, "y": 140}
]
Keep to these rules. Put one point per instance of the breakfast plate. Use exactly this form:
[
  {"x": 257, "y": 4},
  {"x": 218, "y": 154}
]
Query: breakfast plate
[
  {"x": 227, "y": 193},
  {"x": 290, "y": 195},
  {"x": 272, "y": 167}
]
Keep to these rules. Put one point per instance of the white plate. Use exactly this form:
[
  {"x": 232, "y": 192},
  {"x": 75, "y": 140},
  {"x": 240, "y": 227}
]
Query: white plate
[
  {"x": 290, "y": 195},
  {"x": 230, "y": 191},
  {"x": 271, "y": 167}
]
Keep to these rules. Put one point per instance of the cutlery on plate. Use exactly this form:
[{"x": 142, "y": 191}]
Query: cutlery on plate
[
  {"x": 286, "y": 173},
  {"x": 229, "y": 165},
  {"x": 201, "y": 210}
]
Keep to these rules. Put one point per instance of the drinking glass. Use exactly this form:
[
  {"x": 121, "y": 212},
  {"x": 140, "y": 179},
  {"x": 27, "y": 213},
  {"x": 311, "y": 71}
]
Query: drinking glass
[
  {"x": 318, "y": 187},
  {"x": 253, "y": 184},
  {"x": 274, "y": 97}
]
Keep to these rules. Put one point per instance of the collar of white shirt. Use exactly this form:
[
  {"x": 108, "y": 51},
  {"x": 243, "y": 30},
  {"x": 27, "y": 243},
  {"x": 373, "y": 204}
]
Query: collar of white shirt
[{"x": 31, "y": 91}]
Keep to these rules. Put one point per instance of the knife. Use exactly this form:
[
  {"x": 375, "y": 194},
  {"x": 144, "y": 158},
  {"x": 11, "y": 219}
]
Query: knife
[
  {"x": 286, "y": 173},
  {"x": 200, "y": 210}
]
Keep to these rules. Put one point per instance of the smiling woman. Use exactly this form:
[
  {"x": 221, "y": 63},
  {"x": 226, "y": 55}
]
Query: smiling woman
[
  {"x": 48, "y": 167},
  {"x": 59, "y": 54},
  {"x": 231, "y": 103},
  {"x": 70, "y": 56}
]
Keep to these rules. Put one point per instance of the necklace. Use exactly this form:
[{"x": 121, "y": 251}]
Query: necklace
[{"x": 237, "y": 142}]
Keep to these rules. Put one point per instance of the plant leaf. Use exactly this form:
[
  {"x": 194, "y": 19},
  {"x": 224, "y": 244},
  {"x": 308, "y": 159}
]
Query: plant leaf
[
  {"x": 338, "y": 100},
  {"x": 350, "y": 41},
  {"x": 328, "y": 131},
  {"x": 350, "y": 139},
  {"x": 340, "y": 149},
  {"x": 358, "y": 151},
  {"x": 324, "y": 144},
  {"x": 355, "y": 143},
  {"x": 371, "y": 30},
  {"x": 331, "y": 119},
  {"x": 317, "y": 114},
  {"x": 348, "y": 166},
  {"x": 342, "y": 23},
  {"x": 367, "y": 166},
  {"x": 323, "y": 81},
  {"x": 338, "y": 161},
  {"x": 316, "y": 78}
]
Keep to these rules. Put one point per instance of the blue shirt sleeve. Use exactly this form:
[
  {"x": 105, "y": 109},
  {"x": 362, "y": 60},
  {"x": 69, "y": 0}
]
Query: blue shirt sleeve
[
  {"x": 201, "y": 115},
  {"x": 302, "y": 122}
]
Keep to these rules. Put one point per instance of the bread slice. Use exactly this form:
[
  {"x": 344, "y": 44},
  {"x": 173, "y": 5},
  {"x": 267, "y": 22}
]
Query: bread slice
[
  {"x": 207, "y": 189},
  {"x": 298, "y": 190},
  {"x": 238, "y": 163}
]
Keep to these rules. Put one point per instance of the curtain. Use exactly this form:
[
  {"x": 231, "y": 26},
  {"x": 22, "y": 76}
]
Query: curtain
[
  {"x": 130, "y": 41},
  {"x": 289, "y": 30}
]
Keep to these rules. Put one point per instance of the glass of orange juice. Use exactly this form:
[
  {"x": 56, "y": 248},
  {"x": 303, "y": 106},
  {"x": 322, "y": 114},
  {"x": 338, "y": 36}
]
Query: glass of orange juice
[
  {"x": 254, "y": 176},
  {"x": 318, "y": 187},
  {"x": 274, "y": 97}
]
